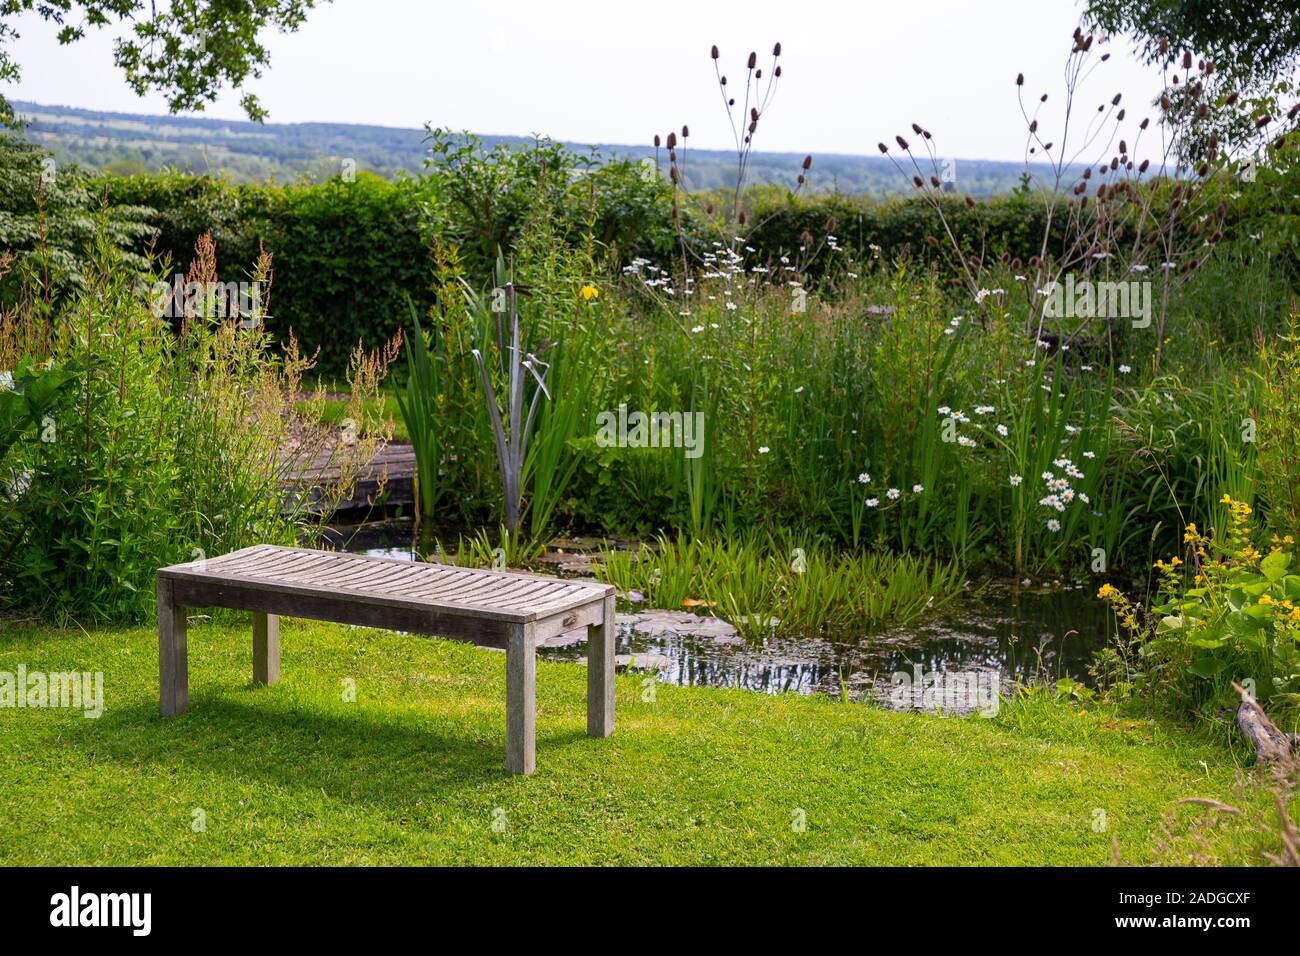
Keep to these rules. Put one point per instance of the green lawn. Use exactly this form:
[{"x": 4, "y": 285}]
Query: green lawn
[
  {"x": 384, "y": 407},
  {"x": 412, "y": 771}
]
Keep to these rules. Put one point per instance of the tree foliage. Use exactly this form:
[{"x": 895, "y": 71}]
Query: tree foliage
[
  {"x": 1252, "y": 43},
  {"x": 187, "y": 50}
]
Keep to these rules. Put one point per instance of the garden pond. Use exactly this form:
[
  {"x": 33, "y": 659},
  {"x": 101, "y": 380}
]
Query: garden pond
[{"x": 997, "y": 634}]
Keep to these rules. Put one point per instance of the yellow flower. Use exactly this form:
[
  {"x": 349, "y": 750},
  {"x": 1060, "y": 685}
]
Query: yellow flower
[
  {"x": 588, "y": 292},
  {"x": 1265, "y": 599}
]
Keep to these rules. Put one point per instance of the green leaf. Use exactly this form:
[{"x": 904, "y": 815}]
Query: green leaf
[
  {"x": 1207, "y": 666},
  {"x": 1275, "y": 564}
]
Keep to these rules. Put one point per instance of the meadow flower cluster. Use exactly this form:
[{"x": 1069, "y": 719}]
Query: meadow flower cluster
[{"x": 1060, "y": 493}]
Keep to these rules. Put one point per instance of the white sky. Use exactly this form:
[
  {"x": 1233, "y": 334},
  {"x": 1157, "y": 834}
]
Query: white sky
[{"x": 617, "y": 72}]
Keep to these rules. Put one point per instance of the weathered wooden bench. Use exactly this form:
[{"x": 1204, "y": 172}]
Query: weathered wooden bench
[{"x": 502, "y": 609}]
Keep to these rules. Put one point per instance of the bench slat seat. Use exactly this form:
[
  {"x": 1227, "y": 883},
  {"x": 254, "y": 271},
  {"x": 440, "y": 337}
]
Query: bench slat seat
[{"x": 504, "y": 609}]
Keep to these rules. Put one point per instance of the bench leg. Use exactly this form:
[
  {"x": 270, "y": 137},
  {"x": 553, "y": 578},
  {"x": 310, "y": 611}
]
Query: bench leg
[
  {"x": 600, "y": 674},
  {"x": 266, "y": 648},
  {"x": 521, "y": 699},
  {"x": 173, "y": 660}
]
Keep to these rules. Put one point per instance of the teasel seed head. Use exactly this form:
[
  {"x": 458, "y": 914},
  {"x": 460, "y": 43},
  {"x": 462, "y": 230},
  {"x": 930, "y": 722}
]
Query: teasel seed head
[
  {"x": 1143, "y": 167},
  {"x": 1119, "y": 117},
  {"x": 807, "y": 162},
  {"x": 1230, "y": 99},
  {"x": 1146, "y": 121},
  {"x": 741, "y": 217},
  {"x": 1115, "y": 100},
  {"x": 934, "y": 181},
  {"x": 1020, "y": 79},
  {"x": 1164, "y": 45},
  {"x": 753, "y": 60},
  {"x": 916, "y": 129},
  {"x": 1123, "y": 147},
  {"x": 882, "y": 147},
  {"x": 777, "y": 72},
  {"x": 799, "y": 179},
  {"x": 1187, "y": 59},
  {"x": 970, "y": 203},
  {"x": 902, "y": 143},
  {"x": 918, "y": 182},
  {"x": 686, "y": 131},
  {"x": 672, "y": 140},
  {"x": 656, "y": 140}
]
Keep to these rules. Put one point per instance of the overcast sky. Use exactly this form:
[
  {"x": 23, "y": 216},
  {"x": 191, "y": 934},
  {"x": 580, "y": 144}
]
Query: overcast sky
[{"x": 617, "y": 72}]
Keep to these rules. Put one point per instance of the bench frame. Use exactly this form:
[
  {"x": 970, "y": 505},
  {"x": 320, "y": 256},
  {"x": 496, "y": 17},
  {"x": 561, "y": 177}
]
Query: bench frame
[{"x": 184, "y": 586}]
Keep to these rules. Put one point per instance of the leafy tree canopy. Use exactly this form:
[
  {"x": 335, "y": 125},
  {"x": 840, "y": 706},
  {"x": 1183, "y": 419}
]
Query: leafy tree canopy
[
  {"x": 1253, "y": 43},
  {"x": 187, "y": 49}
]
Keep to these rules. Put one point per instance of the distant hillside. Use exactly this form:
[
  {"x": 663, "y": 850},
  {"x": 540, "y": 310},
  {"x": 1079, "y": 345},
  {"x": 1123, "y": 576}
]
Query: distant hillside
[{"x": 284, "y": 152}]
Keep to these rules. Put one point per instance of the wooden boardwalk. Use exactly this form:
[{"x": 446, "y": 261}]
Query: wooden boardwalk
[{"x": 399, "y": 489}]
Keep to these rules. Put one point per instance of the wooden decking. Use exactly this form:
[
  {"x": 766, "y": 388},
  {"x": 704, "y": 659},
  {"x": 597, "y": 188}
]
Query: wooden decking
[
  {"x": 395, "y": 461},
  {"x": 503, "y": 609}
]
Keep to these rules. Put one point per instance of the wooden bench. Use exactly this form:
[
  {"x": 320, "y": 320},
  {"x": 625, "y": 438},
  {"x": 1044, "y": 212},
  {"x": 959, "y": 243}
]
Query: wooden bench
[{"x": 503, "y": 609}]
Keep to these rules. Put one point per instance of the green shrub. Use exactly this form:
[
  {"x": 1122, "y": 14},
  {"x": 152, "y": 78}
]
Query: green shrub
[
  {"x": 175, "y": 444},
  {"x": 1229, "y": 615}
]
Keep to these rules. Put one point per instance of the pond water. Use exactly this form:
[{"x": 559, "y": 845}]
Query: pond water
[{"x": 996, "y": 635}]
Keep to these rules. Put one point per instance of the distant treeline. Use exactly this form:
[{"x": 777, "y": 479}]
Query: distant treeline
[{"x": 130, "y": 144}]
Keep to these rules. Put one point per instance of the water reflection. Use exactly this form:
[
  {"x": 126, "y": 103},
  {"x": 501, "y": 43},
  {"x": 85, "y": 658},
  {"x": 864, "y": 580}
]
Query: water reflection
[{"x": 1002, "y": 635}]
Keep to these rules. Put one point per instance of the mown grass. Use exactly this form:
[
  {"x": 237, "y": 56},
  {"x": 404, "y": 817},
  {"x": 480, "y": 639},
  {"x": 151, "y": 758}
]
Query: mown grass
[
  {"x": 384, "y": 408},
  {"x": 412, "y": 771}
]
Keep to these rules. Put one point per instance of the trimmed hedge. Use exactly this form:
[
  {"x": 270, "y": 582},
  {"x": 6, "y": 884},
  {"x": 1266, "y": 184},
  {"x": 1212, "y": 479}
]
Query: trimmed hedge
[{"x": 347, "y": 255}]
